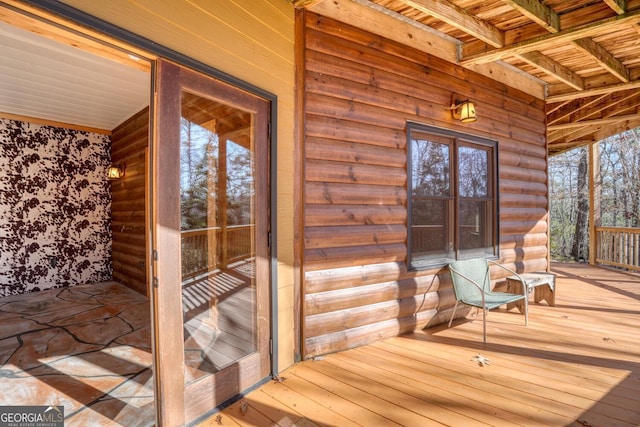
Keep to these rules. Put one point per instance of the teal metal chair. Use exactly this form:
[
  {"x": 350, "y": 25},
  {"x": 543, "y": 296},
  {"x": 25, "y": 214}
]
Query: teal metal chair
[{"x": 472, "y": 286}]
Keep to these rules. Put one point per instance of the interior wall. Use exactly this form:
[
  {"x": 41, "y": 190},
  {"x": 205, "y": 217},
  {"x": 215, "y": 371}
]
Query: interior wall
[
  {"x": 360, "y": 92},
  {"x": 55, "y": 227},
  {"x": 129, "y": 147}
]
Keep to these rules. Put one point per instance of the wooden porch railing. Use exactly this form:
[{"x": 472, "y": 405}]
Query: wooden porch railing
[
  {"x": 618, "y": 247},
  {"x": 207, "y": 249}
]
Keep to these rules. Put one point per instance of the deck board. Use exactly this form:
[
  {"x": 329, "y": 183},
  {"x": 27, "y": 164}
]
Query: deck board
[{"x": 575, "y": 364}]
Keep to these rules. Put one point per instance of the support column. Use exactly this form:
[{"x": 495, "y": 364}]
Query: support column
[{"x": 595, "y": 192}]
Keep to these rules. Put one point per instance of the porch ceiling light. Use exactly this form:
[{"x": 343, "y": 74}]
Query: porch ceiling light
[
  {"x": 115, "y": 171},
  {"x": 465, "y": 111}
]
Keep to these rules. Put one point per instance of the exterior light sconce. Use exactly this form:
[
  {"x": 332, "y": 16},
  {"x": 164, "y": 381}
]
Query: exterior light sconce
[
  {"x": 115, "y": 171},
  {"x": 465, "y": 111}
]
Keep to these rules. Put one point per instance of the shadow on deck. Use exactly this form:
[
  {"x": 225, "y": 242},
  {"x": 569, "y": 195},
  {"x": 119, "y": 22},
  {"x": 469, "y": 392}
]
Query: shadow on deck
[{"x": 576, "y": 364}]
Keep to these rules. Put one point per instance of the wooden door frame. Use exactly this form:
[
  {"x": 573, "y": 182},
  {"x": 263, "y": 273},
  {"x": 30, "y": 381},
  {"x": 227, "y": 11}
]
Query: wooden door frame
[
  {"x": 179, "y": 403},
  {"x": 83, "y": 26}
]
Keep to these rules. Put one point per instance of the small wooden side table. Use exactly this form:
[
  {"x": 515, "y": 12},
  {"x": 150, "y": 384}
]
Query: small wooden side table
[{"x": 543, "y": 284}]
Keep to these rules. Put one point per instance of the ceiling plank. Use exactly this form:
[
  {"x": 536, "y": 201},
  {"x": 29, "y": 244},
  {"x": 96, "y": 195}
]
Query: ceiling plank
[
  {"x": 604, "y": 58},
  {"x": 619, "y": 6},
  {"x": 459, "y": 18},
  {"x": 538, "y": 12},
  {"x": 554, "y": 68},
  {"x": 595, "y": 122},
  {"x": 546, "y": 41},
  {"x": 594, "y": 92}
]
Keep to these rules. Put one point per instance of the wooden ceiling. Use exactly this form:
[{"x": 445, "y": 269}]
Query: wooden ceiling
[{"x": 581, "y": 56}]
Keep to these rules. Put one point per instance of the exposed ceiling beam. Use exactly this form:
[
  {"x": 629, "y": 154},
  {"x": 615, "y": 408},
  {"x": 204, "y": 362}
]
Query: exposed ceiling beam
[
  {"x": 596, "y": 122},
  {"x": 601, "y": 134},
  {"x": 538, "y": 12},
  {"x": 304, "y": 3},
  {"x": 464, "y": 21},
  {"x": 559, "y": 148},
  {"x": 459, "y": 18},
  {"x": 594, "y": 92},
  {"x": 570, "y": 108},
  {"x": 604, "y": 58},
  {"x": 546, "y": 41},
  {"x": 401, "y": 29},
  {"x": 619, "y": 6},
  {"x": 550, "y": 66}
]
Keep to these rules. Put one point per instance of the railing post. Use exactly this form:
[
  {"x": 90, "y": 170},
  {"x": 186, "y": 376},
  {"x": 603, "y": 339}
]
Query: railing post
[{"x": 594, "y": 199}]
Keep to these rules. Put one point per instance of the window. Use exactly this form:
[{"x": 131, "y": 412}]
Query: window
[{"x": 453, "y": 209}]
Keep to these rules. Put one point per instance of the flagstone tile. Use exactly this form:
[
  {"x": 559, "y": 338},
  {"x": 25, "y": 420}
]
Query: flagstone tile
[
  {"x": 71, "y": 392},
  {"x": 140, "y": 338},
  {"x": 114, "y": 412},
  {"x": 87, "y": 348},
  {"x": 45, "y": 346},
  {"x": 100, "y": 331},
  {"x": 139, "y": 386},
  {"x": 137, "y": 314},
  {"x": 18, "y": 325}
]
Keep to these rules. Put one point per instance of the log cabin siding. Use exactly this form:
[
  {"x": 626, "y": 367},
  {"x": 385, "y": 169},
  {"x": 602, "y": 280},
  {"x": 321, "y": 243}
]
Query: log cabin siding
[
  {"x": 360, "y": 90},
  {"x": 129, "y": 143}
]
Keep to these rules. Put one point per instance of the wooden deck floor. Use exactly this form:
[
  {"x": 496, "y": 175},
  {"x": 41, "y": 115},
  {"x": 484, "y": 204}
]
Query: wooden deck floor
[{"x": 576, "y": 364}]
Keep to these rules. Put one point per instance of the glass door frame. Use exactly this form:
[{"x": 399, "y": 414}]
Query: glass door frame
[{"x": 165, "y": 214}]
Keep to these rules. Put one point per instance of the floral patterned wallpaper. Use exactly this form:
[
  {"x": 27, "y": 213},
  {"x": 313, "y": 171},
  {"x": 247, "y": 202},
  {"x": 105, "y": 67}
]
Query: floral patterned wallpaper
[{"x": 55, "y": 207}]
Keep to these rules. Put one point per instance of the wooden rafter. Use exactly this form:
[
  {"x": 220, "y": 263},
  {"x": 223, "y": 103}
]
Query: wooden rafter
[
  {"x": 305, "y": 3},
  {"x": 596, "y": 122},
  {"x": 543, "y": 42},
  {"x": 603, "y": 57},
  {"x": 594, "y": 92},
  {"x": 538, "y": 12},
  {"x": 459, "y": 18},
  {"x": 619, "y": 6},
  {"x": 570, "y": 108},
  {"x": 549, "y": 66}
]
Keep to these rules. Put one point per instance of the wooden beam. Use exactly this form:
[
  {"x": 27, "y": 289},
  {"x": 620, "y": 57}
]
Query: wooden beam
[
  {"x": 305, "y": 3},
  {"x": 595, "y": 91},
  {"x": 553, "y": 68},
  {"x": 397, "y": 27},
  {"x": 464, "y": 21},
  {"x": 459, "y": 18},
  {"x": 546, "y": 41},
  {"x": 538, "y": 12},
  {"x": 604, "y": 58},
  {"x": 569, "y": 108},
  {"x": 604, "y": 106},
  {"x": 596, "y": 122},
  {"x": 619, "y": 6}
]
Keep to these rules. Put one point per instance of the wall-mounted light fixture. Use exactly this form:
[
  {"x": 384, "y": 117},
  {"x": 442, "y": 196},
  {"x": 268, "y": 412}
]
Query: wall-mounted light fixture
[
  {"x": 463, "y": 110},
  {"x": 115, "y": 171}
]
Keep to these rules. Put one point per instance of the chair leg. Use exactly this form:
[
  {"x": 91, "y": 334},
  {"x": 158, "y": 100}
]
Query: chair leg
[
  {"x": 526, "y": 311},
  {"x": 453, "y": 313},
  {"x": 484, "y": 325}
]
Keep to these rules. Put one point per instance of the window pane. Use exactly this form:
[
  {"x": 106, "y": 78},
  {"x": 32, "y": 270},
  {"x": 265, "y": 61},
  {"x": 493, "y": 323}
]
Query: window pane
[
  {"x": 430, "y": 168},
  {"x": 431, "y": 230},
  {"x": 473, "y": 172},
  {"x": 475, "y": 228}
]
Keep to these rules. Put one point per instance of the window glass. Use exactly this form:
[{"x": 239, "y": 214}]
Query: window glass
[{"x": 452, "y": 205}]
